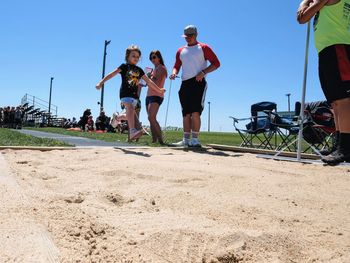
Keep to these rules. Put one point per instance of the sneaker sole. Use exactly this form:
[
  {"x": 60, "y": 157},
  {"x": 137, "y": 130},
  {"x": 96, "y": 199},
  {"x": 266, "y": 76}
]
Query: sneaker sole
[
  {"x": 195, "y": 146},
  {"x": 180, "y": 146}
]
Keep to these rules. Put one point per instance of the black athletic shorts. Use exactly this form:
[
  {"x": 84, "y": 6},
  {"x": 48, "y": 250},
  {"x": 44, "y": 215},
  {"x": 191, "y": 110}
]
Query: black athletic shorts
[
  {"x": 154, "y": 99},
  {"x": 192, "y": 96},
  {"x": 334, "y": 72}
]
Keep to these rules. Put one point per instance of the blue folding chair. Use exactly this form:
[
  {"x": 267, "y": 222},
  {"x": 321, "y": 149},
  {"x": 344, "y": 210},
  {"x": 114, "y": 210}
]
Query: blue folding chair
[{"x": 259, "y": 132}]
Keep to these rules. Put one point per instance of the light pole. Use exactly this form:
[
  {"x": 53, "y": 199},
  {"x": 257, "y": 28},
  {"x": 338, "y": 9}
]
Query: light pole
[
  {"x": 288, "y": 95},
  {"x": 208, "y": 116},
  {"x": 50, "y": 100},
  {"x": 103, "y": 73}
]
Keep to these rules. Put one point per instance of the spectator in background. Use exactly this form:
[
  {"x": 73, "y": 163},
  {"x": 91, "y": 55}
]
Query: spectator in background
[
  {"x": 90, "y": 124},
  {"x": 67, "y": 124},
  {"x": 63, "y": 122},
  {"x": 18, "y": 118},
  {"x": 7, "y": 117},
  {"x": 84, "y": 119},
  {"x": 12, "y": 118},
  {"x": 102, "y": 122},
  {"x": 1, "y": 117},
  {"x": 74, "y": 122}
]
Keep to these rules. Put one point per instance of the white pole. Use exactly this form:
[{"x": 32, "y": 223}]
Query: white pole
[
  {"x": 167, "y": 108},
  {"x": 301, "y": 116}
]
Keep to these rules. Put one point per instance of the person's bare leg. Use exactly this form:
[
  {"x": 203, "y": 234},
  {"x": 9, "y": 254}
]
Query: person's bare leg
[
  {"x": 154, "y": 139},
  {"x": 335, "y": 144},
  {"x": 187, "y": 123},
  {"x": 196, "y": 122},
  {"x": 335, "y": 114},
  {"x": 343, "y": 112},
  {"x": 155, "y": 127},
  {"x": 130, "y": 115},
  {"x": 187, "y": 126}
]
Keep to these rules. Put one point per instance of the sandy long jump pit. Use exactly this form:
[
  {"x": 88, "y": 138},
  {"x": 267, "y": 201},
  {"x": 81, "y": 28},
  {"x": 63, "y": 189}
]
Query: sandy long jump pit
[{"x": 167, "y": 205}]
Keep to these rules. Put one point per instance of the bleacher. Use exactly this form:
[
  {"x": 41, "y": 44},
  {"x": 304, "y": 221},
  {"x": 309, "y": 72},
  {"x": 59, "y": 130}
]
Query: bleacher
[{"x": 36, "y": 112}]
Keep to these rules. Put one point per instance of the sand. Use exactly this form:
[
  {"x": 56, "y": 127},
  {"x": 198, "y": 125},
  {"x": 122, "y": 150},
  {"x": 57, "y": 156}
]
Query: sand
[{"x": 167, "y": 205}]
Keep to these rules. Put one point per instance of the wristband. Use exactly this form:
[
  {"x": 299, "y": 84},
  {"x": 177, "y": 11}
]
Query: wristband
[{"x": 203, "y": 72}]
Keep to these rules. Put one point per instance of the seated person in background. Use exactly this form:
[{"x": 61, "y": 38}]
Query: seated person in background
[
  {"x": 12, "y": 118},
  {"x": 1, "y": 117},
  {"x": 84, "y": 119},
  {"x": 6, "y": 117},
  {"x": 90, "y": 124},
  {"x": 74, "y": 122},
  {"x": 67, "y": 124},
  {"x": 102, "y": 122}
]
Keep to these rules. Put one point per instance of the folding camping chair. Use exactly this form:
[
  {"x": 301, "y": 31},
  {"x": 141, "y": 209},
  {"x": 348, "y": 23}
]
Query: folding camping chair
[
  {"x": 287, "y": 129},
  {"x": 258, "y": 132},
  {"x": 318, "y": 127}
]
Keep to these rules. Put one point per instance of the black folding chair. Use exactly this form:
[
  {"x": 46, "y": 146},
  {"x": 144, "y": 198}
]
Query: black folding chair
[
  {"x": 321, "y": 129},
  {"x": 259, "y": 132},
  {"x": 287, "y": 129},
  {"x": 318, "y": 127}
]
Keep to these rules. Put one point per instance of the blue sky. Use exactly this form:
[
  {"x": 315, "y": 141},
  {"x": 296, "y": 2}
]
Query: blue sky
[{"x": 259, "y": 43}]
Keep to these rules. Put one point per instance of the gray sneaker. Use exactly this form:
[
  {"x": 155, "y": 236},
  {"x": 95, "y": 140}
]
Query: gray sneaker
[
  {"x": 134, "y": 135},
  {"x": 183, "y": 143},
  {"x": 195, "y": 143}
]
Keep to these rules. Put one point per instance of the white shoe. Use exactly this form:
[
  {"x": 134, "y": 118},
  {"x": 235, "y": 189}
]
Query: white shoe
[
  {"x": 195, "y": 143},
  {"x": 183, "y": 143},
  {"x": 134, "y": 135}
]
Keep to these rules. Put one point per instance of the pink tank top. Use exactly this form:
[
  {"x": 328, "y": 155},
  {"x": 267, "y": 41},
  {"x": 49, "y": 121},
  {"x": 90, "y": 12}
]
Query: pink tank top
[{"x": 159, "y": 76}]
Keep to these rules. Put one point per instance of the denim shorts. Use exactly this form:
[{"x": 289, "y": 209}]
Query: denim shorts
[{"x": 129, "y": 100}]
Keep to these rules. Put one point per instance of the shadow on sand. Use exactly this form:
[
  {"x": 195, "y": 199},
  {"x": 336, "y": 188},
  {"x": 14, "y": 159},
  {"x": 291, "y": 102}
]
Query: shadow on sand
[
  {"x": 196, "y": 150},
  {"x": 208, "y": 151},
  {"x": 142, "y": 154}
]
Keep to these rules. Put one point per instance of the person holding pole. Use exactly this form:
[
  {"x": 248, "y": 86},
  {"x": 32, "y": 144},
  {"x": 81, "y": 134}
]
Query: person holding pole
[
  {"x": 193, "y": 59},
  {"x": 332, "y": 40}
]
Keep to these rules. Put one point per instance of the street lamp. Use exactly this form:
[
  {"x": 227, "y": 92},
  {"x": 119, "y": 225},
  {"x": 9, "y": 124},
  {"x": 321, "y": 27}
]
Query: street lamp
[
  {"x": 288, "y": 95},
  {"x": 103, "y": 73},
  {"x": 208, "y": 116},
  {"x": 50, "y": 99}
]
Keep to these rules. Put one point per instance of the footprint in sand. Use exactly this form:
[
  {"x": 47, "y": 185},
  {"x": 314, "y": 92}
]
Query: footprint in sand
[
  {"x": 116, "y": 199},
  {"x": 76, "y": 199}
]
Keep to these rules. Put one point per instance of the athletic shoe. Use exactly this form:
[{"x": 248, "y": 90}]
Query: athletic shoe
[
  {"x": 195, "y": 143},
  {"x": 330, "y": 151},
  {"x": 336, "y": 158},
  {"x": 135, "y": 135},
  {"x": 327, "y": 152},
  {"x": 183, "y": 143}
]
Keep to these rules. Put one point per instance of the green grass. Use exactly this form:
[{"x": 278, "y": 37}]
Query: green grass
[
  {"x": 14, "y": 138},
  {"x": 170, "y": 136},
  {"x": 224, "y": 138}
]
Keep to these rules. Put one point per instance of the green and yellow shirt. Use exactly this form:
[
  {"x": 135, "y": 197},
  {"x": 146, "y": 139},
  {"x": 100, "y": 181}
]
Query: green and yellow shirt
[{"x": 332, "y": 25}]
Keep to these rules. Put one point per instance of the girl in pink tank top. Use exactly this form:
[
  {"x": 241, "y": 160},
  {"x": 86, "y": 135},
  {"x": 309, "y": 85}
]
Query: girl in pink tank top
[{"x": 155, "y": 99}]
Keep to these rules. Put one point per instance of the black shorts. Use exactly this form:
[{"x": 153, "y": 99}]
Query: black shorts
[
  {"x": 334, "y": 72},
  {"x": 192, "y": 96},
  {"x": 154, "y": 99}
]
